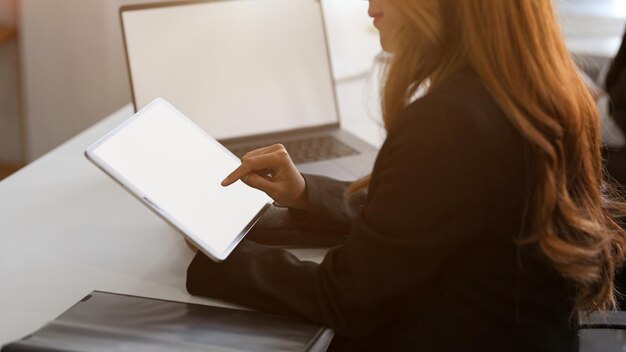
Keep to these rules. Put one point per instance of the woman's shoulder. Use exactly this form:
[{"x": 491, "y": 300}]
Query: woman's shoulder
[
  {"x": 459, "y": 110},
  {"x": 461, "y": 98},
  {"x": 460, "y": 129}
]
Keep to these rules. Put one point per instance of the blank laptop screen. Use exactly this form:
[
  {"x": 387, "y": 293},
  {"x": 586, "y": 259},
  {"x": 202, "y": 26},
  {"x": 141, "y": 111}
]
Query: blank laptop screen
[{"x": 235, "y": 67}]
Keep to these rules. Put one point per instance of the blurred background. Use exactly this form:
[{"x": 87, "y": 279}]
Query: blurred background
[{"x": 62, "y": 65}]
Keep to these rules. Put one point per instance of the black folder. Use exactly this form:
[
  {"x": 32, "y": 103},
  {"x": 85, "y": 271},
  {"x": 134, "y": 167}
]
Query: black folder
[{"x": 112, "y": 322}]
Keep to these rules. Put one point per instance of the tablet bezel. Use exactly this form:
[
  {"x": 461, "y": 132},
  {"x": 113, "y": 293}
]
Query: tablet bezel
[{"x": 90, "y": 154}]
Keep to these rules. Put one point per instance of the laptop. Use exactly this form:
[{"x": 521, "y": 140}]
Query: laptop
[{"x": 251, "y": 73}]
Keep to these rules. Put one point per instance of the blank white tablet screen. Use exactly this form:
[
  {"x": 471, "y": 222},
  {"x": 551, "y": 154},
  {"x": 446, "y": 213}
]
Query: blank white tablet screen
[{"x": 163, "y": 156}]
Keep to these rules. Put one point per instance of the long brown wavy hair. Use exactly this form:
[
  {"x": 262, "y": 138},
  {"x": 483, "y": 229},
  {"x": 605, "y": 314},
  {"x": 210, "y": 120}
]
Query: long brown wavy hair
[{"x": 517, "y": 49}]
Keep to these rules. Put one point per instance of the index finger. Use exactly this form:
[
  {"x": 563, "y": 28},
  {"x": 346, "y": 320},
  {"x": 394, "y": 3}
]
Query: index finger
[
  {"x": 238, "y": 173},
  {"x": 262, "y": 164}
]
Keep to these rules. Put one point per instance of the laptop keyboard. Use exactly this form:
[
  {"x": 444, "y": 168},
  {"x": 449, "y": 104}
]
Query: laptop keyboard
[{"x": 308, "y": 149}]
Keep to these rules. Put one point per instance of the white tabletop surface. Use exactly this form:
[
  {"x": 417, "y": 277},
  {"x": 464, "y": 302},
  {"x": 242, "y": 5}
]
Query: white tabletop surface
[{"x": 68, "y": 229}]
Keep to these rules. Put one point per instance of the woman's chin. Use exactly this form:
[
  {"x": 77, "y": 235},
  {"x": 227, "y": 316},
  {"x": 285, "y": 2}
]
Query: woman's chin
[{"x": 386, "y": 46}]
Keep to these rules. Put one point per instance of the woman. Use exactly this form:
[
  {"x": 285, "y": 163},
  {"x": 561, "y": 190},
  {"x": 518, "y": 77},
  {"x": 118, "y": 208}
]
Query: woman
[{"x": 486, "y": 225}]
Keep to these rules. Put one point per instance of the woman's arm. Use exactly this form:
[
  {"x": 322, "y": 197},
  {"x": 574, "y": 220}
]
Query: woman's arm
[
  {"x": 425, "y": 203},
  {"x": 325, "y": 223},
  {"x": 315, "y": 202},
  {"x": 328, "y": 209}
]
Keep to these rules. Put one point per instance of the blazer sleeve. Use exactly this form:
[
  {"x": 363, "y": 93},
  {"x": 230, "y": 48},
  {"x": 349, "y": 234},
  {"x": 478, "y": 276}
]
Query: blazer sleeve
[
  {"x": 325, "y": 224},
  {"x": 424, "y": 203},
  {"x": 328, "y": 209}
]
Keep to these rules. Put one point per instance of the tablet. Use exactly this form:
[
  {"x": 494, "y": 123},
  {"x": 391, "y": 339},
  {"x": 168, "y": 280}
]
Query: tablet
[{"x": 175, "y": 168}]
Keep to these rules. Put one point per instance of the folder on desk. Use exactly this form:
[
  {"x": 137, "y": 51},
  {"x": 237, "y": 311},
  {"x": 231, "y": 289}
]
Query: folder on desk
[{"x": 112, "y": 322}]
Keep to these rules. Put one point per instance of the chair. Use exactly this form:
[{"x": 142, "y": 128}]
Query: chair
[{"x": 603, "y": 333}]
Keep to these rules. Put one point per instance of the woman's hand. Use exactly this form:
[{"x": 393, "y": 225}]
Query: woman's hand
[{"x": 272, "y": 171}]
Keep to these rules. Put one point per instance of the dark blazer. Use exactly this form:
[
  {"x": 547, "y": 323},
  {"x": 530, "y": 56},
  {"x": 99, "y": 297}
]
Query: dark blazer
[
  {"x": 615, "y": 160},
  {"x": 428, "y": 260},
  {"x": 615, "y": 85}
]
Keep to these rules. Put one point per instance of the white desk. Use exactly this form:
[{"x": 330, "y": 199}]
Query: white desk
[{"x": 68, "y": 229}]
